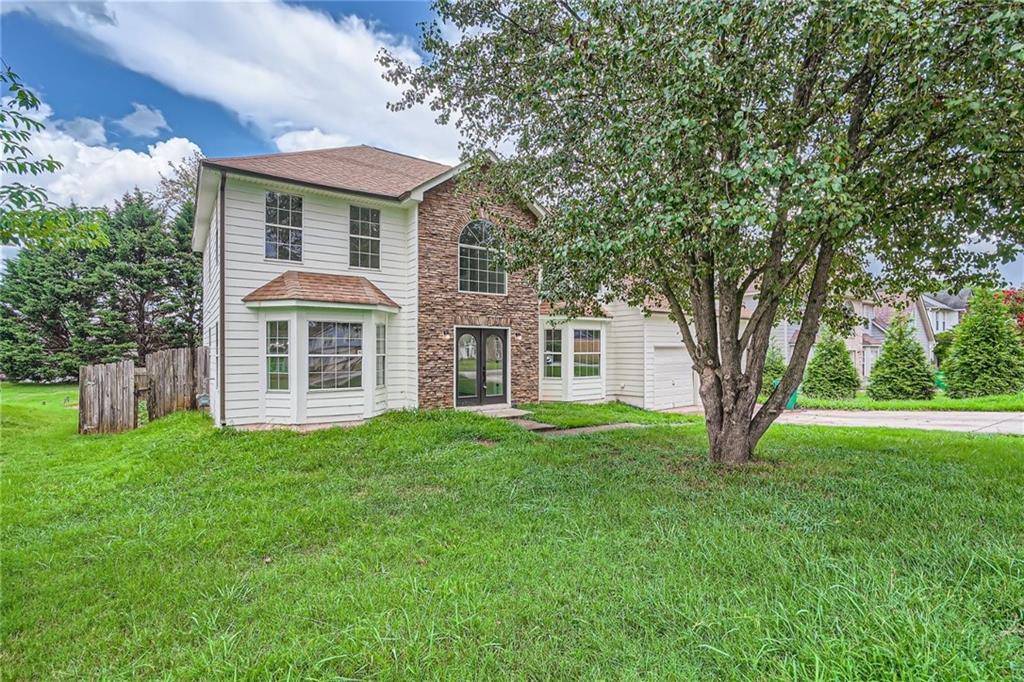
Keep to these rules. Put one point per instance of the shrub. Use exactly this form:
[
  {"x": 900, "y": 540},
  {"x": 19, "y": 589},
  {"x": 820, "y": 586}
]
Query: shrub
[
  {"x": 987, "y": 357},
  {"x": 901, "y": 371},
  {"x": 943, "y": 342},
  {"x": 774, "y": 368},
  {"x": 830, "y": 373}
]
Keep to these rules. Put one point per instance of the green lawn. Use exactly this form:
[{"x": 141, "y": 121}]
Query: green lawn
[
  {"x": 449, "y": 545},
  {"x": 992, "y": 403},
  {"x": 572, "y": 415}
]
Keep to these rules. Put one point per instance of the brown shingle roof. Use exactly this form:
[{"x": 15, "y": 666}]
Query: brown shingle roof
[
  {"x": 361, "y": 169},
  {"x": 314, "y": 286}
]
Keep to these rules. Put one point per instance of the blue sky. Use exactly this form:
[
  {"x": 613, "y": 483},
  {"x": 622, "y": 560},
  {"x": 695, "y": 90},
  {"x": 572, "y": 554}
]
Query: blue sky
[
  {"x": 130, "y": 87},
  {"x": 77, "y": 76}
]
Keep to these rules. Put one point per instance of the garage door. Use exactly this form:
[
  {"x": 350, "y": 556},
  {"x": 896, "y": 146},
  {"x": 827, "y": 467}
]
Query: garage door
[{"x": 673, "y": 377}]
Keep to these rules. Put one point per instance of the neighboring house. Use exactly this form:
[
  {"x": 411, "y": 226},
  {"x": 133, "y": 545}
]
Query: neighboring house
[
  {"x": 880, "y": 318},
  {"x": 945, "y": 310},
  {"x": 342, "y": 283},
  {"x": 865, "y": 341}
]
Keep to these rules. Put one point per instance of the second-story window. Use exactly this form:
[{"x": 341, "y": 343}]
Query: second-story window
[
  {"x": 364, "y": 237},
  {"x": 480, "y": 268},
  {"x": 284, "y": 227}
]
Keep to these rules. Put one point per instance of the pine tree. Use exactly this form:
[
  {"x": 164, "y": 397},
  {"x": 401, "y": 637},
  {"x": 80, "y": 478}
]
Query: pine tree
[
  {"x": 49, "y": 324},
  {"x": 901, "y": 371},
  {"x": 830, "y": 373},
  {"x": 62, "y": 307},
  {"x": 182, "y": 310},
  {"x": 134, "y": 271},
  {"x": 987, "y": 357},
  {"x": 774, "y": 368}
]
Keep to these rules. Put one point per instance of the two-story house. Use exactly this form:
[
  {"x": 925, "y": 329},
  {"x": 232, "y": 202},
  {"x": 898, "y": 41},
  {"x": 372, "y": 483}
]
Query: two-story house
[
  {"x": 342, "y": 283},
  {"x": 864, "y": 342}
]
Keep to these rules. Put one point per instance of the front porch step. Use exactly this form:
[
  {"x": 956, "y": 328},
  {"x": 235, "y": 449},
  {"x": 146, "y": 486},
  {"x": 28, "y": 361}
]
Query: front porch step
[
  {"x": 499, "y": 412},
  {"x": 531, "y": 425}
]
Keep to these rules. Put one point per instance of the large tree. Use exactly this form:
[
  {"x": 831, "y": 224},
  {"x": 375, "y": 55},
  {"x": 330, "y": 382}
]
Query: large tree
[
  {"x": 27, "y": 216},
  {"x": 182, "y": 309},
  {"x": 49, "y": 320},
  {"x": 134, "y": 271},
  {"x": 697, "y": 152}
]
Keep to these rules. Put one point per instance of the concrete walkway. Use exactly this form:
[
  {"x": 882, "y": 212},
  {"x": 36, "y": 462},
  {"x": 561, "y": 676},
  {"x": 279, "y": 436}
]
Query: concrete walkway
[{"x": 972, "y": 422}]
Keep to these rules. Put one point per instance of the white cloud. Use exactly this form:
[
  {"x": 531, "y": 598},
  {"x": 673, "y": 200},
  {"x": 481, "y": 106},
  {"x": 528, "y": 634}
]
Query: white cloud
[
  {"x": 300, "y": 140},
  {"x": 86, "y": 130},
  {"x": 144, "y": 121},
  {"x": 280, "y": 68},
  {"x": 94, "y": 174}
]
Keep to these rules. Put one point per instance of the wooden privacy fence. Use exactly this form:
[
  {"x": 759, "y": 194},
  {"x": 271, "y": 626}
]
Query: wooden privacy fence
[
  {"x": 176, "y": 377},
  {"x": 106, "y": 398},
  {"x": 108, "y": 394}
]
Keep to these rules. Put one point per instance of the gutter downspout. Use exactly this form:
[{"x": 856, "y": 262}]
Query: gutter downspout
[{"x": 220, "y": 337}]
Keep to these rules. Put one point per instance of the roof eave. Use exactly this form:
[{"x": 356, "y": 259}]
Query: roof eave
[
  {"x": 207, "y": 185},
  {"x": 302, "y": 183},
  {"x": 416, "y": 193},
  {"x": 305, "y": 303}
]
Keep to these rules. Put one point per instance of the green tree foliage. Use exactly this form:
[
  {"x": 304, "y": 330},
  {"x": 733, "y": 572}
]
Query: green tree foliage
[
  {"x": 27, "y": 217},
  {"x": 181, "y": 318},
  {"x": 62, "y": 307},
  {"x": 902, "y": 370},
  {"x": 774, "y": 368},
  {"x": 684, "y": 151},
  {"x": 943, "y": 342},
  {"x": 987, "y": 357},
  {"x": 830, "y": 373},
  {"x": 134, "y": 271}
]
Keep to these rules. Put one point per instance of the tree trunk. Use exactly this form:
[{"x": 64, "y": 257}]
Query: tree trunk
[
  {"x": 731, "y": 443},
  {"x": 730, "y": 436}
]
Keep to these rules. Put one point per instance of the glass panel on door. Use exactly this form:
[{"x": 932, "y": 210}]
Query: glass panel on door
[
  {"x": 466, "y": 359},
  {"x": 494, "y": 368}
]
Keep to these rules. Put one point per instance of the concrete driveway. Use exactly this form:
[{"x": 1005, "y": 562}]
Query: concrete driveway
[{"x": 973, "y": 422}]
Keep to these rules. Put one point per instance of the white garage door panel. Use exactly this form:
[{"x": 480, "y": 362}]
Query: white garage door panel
[{"x": 673, "y": 378}]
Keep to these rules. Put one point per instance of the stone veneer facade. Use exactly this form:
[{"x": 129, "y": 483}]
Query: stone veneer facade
[{"x": 443, "y": 213}]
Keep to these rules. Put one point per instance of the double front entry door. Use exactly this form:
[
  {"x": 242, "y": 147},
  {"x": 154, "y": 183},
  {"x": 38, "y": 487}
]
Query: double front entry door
[{"x": 481, "y": 377}]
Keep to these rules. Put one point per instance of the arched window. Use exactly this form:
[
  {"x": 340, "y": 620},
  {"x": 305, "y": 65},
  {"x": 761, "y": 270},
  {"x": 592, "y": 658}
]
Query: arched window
[{"x": 480, "y": 269}]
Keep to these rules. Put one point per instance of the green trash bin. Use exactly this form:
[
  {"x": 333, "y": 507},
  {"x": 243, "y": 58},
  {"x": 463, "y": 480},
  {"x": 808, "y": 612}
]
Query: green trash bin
[{"x": 791, "y": 403}]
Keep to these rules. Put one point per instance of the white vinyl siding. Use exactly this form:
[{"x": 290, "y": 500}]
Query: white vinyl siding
[
  {"x": 625, "y": 354},
  {"x": 325, "y": 249},
  {"x": 211, "y": 306}
]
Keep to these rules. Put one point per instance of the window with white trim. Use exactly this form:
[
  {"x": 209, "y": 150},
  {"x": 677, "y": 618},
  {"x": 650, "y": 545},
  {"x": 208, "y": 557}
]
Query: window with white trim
[
  {"x": 277, "y": 355},
  {"x": 364, "y": 237},
  {"x": 335, "y": 355},
  {"x": 553, "y": 353},
  {"x": 586, "y": 353},
  {"x": 382, "y": 347},
  {"x": 480, "y": 268},
  {"x": 283, "y": 227}
]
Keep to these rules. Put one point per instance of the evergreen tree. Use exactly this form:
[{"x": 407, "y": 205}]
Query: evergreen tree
[
  {"x": 774, "y": 368},
  {"x": 182, "y": 310},
  {"x": 830, "y": 373},
  {"x": 943, "y": 342},
  {"x": 987, "y": 357},
  {"x": 134, "y": 272},
  {"x": 62, "y": 307},
  {"x": 48, "y": 321},
  {"x": 901, "y": 371}
]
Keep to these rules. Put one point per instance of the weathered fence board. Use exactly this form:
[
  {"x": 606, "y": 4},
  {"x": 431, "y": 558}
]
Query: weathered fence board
[
  {"x": 175, "y": 377},
  {"x": 106, "y": 398}
]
